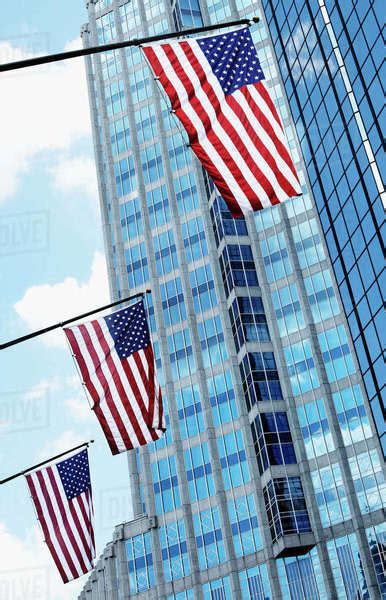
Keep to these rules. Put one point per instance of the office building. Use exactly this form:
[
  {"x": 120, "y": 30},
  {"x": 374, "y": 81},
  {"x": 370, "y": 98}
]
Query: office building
[{"x": 269, "y": 483}]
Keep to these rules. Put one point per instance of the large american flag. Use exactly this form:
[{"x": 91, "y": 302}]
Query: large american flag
[
  {"x": 116, "y": 361},
  {"x": 62, "y": 497},
  {"x": 215, "y": 85}
]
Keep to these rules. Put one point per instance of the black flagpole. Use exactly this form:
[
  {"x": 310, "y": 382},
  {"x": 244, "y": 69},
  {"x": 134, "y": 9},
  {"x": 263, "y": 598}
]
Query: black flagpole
[
  {"x": 44, "y": 462},
  {"x": 34, "y": 334},
  {"x": 42, "y": 60}
]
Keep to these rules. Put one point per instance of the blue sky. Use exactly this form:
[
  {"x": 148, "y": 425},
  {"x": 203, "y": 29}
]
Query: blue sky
[{"x": 51, "y": 266}]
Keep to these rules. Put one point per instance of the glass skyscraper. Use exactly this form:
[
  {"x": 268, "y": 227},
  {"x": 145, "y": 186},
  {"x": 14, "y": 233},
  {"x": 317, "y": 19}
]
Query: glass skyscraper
[
  {"x": 269, "y": 483},
  {"x": 330, "y": 56}
]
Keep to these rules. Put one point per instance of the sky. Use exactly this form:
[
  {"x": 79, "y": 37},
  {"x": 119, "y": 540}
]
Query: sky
[{"x": 52, "y": 267}]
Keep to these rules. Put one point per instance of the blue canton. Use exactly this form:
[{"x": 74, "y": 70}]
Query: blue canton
[
  {"x": 129, "y": 329},
  {"x": 75, "y": 474},
  {"x": 233, "y": 59}
]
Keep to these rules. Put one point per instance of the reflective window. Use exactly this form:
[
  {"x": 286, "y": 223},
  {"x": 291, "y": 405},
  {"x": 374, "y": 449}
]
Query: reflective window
[
  {"x": 174, "y": 551},
  {"x": 369, "y": 480},
  {"x": 238, "y": 267},
  {"x": 347, "y": 567},
  {"x": 244, "y": 525},
  {"x": 301, "y": 367},
  {"x": 336, "y": 353},
  {"x": 330, "y": 495},
  {"x": 203, "y": 290},
  {"x": 209, "y": 540},
  {"x": 315, "y": 428},
  {"x": 140, "y": 563},
  {"x": 158, "y": 205},
  {"x": 273, "y": 440},
  {"x": 145, "y": 123},
  {"x": 165, "y": 252},
  {"x": 301, "y": 577},
  {"x": 233, "y": 459},
  {"x": 165, "y": 484},
  {"x": 152, "y": 167},
  {"x": 136, "y": 265},
  {"x": 131, "y": 219},
  {"x": 254, "y": 584},
  {"x": 191, "y": 419},
  {"x": 185, "y": 188},
  {"x": 307, "y": 243},
  {"x": 173, "y": 303},
  {"x": 321, "y": 296},
  {"x": 260, "y": 378},
  {"x": 120, "y": 136},
  {"x": 286, "y": 507},
  {"x": 352, "y": 417},
  {"x": 125, "y": 177},
  {"x": 275, "y": 256},
  {"x": 181, "y": 354},
  {"x": 288, "y": 312},
  {"x": 115, "y": 98},
  {"x": 222, "y": 398},
  {"x": 248, "y": 320},
  {"x": 377, "y": 542},
  {"x": 212, "y": 342},
  {"x": 194, "y": 239},
  {"x": 199, "y": 472},
  {"x": 105, "y": 26}
]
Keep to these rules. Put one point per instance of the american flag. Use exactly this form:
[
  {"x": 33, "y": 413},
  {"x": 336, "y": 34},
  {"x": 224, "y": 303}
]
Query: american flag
[
  {"x": 116, "y": 361},
  {"x": 62, "y": 497},
  {"x": 215, "y": 85}
]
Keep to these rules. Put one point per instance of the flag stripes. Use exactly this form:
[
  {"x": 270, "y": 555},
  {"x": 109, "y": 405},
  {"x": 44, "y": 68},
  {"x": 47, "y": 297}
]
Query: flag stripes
[
  {"x": 237, "y": 137},
  {"x": 125, "y": 392},
  {"x": 67, "y": 524}
]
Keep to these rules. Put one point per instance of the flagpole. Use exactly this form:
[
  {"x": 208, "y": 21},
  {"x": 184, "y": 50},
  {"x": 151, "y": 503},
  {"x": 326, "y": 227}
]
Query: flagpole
[
  {"x": 44, "y": 462},
  {"x": 34, "y": 334},
  {"x": 42, "y": 60}
]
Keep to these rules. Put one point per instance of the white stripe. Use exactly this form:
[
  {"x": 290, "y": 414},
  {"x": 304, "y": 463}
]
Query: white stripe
[
  {"x": 266, "y": 140},
  {"x": 98, "y": 386},
  {"x": 211, "y": 151},
  {"x": 126, "y": 384},
  {"x": 50, "y": 525},
  {"x": 219, "y": 130},
  {"x": 81, "y": 499},
  {"x": 114, "y": 391},
  {"x": 87, "y": 359},
  {"x": 228, "y": 113},
  {"x": 266, "y": 109},
  {"x": 71, "y": 522}
]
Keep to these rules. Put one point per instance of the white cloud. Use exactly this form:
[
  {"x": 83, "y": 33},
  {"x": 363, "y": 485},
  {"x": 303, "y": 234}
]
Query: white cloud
[
  {"x": 78, "y": 406},
  {"x": 45, "y": 304},
  {"x": 42, "y": 108},
  {"x": 76, "y": 174},
  {"x": 28, "y": 571},
  {"x": 67, "y": 439}
]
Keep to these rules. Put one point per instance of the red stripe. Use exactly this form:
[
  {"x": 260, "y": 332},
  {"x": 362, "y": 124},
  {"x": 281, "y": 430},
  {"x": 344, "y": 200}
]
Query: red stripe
[
  {"x": 201, "y": 154},
  {"x": 108, "y": 395},
  {"x": 80, "y": 528},
  {"x": 44, "y": 526},
  {"x": 122, "y": 396},
  {"x": 83, "y": 502},
  {"x": 81, "y": 364},
  {"x": 56, "y": 524},
  {"x": 65, "y": 522},
  {"x": 259, "y": 144},
  {"x": 280, "y": 146}
]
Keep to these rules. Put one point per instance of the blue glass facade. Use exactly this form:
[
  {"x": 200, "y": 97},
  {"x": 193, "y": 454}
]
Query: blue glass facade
[
  {"x": 270, "y": 448},
  {"x": 330, "y": 56}
]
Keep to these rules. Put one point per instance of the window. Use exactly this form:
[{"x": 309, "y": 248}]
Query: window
[
  {"x": 185, "y": 188},
  {"x": 152, "y": 166},
  {"x": 105, "y": 26},
  {"x": 233, "y": 459},
  {"x": 248, "y": 320},
  {"x": 174, "y": 551},
  {"x": 125, "y": 177},
  {"x": 191, "y": 419},
  {"x": 288, "y": 312},
  {"x": 315, "y": 428},
  {"x": 165, "y": 483},
  {"x": 140, "y": 563},
  {"x": 301, "y": 577},
  {"x": 369, "y": 480},
  {"x": 210, "y": 545},
  {"x": 145, "y": 123},
  {"x": 120, "y": 136},
  {"x": 244, "y": 525},
  {"x": 330, "y": 495},
  {"x": 238, "y": 267},
  {"x": 131, "y": 219},
  {"x": 181, "y": 354},
  {"x": 352, "y": 417},
  {"x": 273, "y": 440},
  {"x": 165, "y": 252},
  {"x": 321, "y": 296},
  {"x": 199, "y": 472},
  {"x": 301, "y": 367},
  {"x": 158, "y": 205},
  {"x": 347, "y": 567},
  {"x": 286, "y": 507},
  {"x": 222, "y": 398},
  {"x": 377, "y": 542},
  {"x": 173, "y": 303},
  {"x": 254, "y": 584},
  {"x": 194, "y": 239},
  {"x": 115, "y": 98},
  {"x": 219, "y": 589},
  {"x": 307, "y": 243},
  {"x": 136, "y": 265},
  {"x": 275, "y": 255},
  {"x": 260, "y": 378},
  {"x": 203, "y": 290},
  {"x": 212, "y": 341},
  {"x": 336, "y": 353}
]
